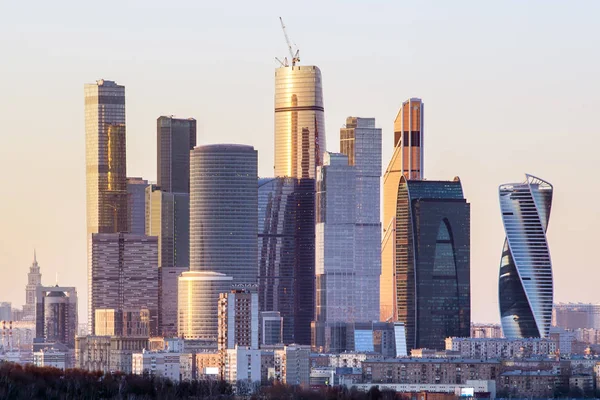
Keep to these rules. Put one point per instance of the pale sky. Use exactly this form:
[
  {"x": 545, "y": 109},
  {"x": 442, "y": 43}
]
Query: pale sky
[{"x": 509, "y": 87}]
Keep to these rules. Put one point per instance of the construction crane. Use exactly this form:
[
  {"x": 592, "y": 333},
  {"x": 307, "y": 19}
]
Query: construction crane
[{"x": 294, "y": 56}]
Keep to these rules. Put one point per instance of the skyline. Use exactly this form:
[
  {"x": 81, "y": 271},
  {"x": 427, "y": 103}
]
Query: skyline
[{"x": 497, "y": 124}]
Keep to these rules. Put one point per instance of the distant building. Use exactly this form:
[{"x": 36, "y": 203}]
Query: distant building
[
  {"x": 525, "y": 285},
  {"x": 271, "y": 328},
  {"x": 34, "y": 280},
  {"x": 157, "y": 364},
  {"x": 136, "y": 201},
  {"x": 123, "y": 275},
  {"x": 52, "y": 358},
  {"x": 488, "y": 348},
  {"x": 238, "y": 319},
  {"x": 6, "y": 311},
  {"x": 125, "y": 323},
  {"x": 175, "y": 138},
  {"x": 107, "y": 354},
  {"x": 529, "y": 384},
  {"x": 198, "y": 304},
  {"x": 576, "y": 315},
  {"x": 292, "y": 365},
  {"x": 492, "y": 331},
  {"x": 56, "y": 314}
]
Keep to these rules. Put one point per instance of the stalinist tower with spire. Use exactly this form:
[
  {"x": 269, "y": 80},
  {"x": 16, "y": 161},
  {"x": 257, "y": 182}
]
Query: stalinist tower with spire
[{"x": 34, "y": 279}]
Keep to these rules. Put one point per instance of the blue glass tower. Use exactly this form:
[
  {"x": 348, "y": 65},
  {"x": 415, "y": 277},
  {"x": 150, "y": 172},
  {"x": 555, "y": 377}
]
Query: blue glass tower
[{"x": 525, "y": 285}]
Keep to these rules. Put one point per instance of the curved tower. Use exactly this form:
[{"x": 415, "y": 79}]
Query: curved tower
[
  {"x": 299, "y": 121},
  {"x": 525, "y": 284}
]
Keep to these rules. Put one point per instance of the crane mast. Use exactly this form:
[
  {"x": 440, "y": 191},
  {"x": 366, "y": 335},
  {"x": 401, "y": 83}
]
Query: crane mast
[{"x": 294, "y": 56}]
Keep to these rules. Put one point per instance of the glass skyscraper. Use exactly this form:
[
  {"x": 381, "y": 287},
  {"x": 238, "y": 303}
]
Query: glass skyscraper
[
  {"x": 360, "y": 140},
  {"x": 430, "y": 279},
  {"x": 136, "y": 199},
  {"x": 168, "y": 219},
  {"x": 106, "y": 176},
  {"x": 224, "y": 211},
  {"x": 525, "y": 287},
  {"x": 174, "y": 139},
  {"x": 299, "y": 121},
  {"x": 286, "y": 230}
]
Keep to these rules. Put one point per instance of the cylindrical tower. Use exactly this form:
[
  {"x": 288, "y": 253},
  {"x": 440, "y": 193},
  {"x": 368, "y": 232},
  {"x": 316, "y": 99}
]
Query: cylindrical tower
[
  {"x": 198, "y": 303},
  {"x": 224, "y": 211},
  {"x": 299, "y": 121},
  {"x": 55, "y": 317}
]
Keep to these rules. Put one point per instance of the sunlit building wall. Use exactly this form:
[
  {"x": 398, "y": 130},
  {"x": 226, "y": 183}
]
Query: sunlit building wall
[
  {"x": 299, "y": 121},
  {"x": 408, "y": 161},
  {"x": 105, "y": 157},
  {"x": 197, "y": 315}
]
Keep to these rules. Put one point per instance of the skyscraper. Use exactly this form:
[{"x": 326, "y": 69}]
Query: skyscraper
[
  {"x": 407, "y": 160},
  {"x": 34, "y": 280},
  {"x": 525, "y": 286},
  {"x": 123, "y": 275},
  {"x": 334, "y": 267},
  {"x": 360, "y": 140},
  {"x": 105, "y": 157},
  {"x": 136, "y": 200},
  {"x": 168, "y": 219},
  {"x": 428, "y": 285},
  {"x": 223, "y": 211},
  {"x": 299, "y": 121},
  {"x": 56, "y": 314},
  {"x": 286, "y": 248},
  {"x": 174, "y": 139}
]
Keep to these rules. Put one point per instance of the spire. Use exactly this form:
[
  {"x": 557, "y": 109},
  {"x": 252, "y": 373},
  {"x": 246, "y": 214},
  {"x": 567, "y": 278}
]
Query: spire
[{"x": 34, "y": 256}]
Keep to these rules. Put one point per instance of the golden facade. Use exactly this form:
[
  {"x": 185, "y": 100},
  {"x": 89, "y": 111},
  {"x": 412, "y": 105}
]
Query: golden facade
[
  {"x": 106, "y": 176},
  {"x": 407, "y": 161},
  {"x": 299, "y": 121}
]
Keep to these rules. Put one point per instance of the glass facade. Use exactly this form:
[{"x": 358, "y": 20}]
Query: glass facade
[
  {"x": 136, "y": 193},
  {"x": 105, "y": 157},
  {"x": 430, "y": 281},
  {"x": 360, "y": 140},
  {"x": 299, "y": 121},
  {"x": 174, "y": 140},
  {"x": 407, "y": 160},
  {"x": 198, "y": 304},
  {"x": 56, "y": 314},
  {"x": 526, "y": 286},
  {"x": 224, "y": 211},
  {"x": 336, "y": 285},
  {"x": 286, "y": 253}
]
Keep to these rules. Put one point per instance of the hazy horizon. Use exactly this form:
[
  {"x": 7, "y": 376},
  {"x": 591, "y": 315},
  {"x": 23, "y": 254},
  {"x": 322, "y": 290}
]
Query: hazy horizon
[{"x": 509, "y": 88}]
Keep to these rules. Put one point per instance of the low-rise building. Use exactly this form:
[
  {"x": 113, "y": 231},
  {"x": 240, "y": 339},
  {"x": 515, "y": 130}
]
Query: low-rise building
[
  {"x": 52, "y": 358},
  {"x": 242, "y": 368},
  {"x": 292, "y": 365},
  {"x": 485, "y": 348},
  {"x": 429, "y": 371},
  {"x": 157, "y": 363},
  {"x": 525, "y": 384},
  {"x": 106, "y": 353},
  {"x": 208, "y": 364}
]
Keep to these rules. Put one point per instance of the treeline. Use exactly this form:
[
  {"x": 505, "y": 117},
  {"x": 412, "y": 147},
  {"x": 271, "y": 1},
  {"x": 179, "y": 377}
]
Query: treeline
[{"x": 30, "y": 382}]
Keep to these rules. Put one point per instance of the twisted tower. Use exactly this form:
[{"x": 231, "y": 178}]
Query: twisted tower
[{"x": 525, "y": 285}]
